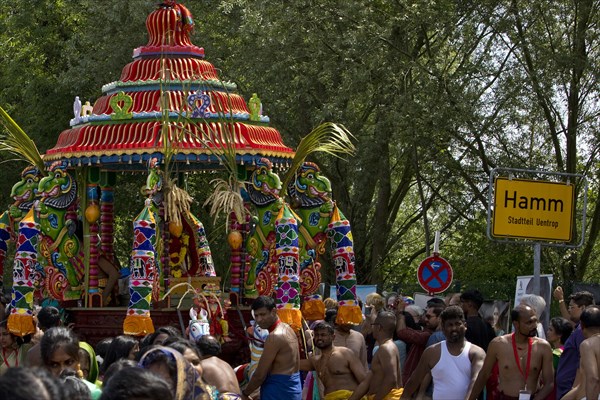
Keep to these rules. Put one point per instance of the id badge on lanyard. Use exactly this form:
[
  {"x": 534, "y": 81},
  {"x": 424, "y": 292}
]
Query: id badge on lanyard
[{"x": 524, "y": 395}]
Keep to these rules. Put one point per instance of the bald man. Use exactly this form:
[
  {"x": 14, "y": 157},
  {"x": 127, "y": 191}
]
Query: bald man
[{"x": 522, "y": 360}]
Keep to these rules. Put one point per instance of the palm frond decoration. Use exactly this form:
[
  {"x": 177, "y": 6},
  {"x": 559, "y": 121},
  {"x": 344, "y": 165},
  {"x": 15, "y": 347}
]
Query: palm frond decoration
[
  {"x": 17, "y": 142},
  {"x": 330, "y": 138}
]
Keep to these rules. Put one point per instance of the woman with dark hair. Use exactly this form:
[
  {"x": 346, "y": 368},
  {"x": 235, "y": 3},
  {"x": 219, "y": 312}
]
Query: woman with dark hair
[
  {"x": 116, "y": 367},
  {"x": 74, "y": 388},
  {"x": 60, "y": 350},
  {"x": 147, "y": 386},
  {"x": 188, "y": 350},
  {"x": 184, "y": 380},
  {"x": 21, "y": 383},
  {"x": 559, "y": 331},
  {"x": 159, "y": 336},
  {"x": 123, "y": 346},
  {"x": 101, "y": 349},
  {"x": 60, "y": 353}
]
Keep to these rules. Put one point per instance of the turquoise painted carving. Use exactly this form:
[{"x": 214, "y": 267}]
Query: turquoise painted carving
[
  {"x": 59, "y": 247},
  {"x": 263, "y": 191}
]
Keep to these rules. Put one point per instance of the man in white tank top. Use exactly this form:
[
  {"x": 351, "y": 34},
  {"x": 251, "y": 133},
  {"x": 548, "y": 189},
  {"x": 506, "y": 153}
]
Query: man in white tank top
[{"x": 454, "y": 363}]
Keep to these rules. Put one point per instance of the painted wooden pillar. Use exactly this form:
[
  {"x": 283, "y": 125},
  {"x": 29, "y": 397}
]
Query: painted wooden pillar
[
  {"x": 164, "y": 254},
  {"x": 91, "y": 215},
  {"x": 20, "y": 320},
  {"x": 90, "y": 239},
  {"x": 235, "y": 257},
  {"x": 107, "y": 219}
]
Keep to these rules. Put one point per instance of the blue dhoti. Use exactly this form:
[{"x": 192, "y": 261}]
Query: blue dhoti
[{"x": 277, "y": 387}]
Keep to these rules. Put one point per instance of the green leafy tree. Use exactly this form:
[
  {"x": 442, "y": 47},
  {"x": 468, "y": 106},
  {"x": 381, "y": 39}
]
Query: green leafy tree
[{"x": 436, "y": 93}]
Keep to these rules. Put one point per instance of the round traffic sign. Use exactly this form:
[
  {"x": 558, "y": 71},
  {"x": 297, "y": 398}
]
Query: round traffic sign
[{"x": 434, "y": 274}]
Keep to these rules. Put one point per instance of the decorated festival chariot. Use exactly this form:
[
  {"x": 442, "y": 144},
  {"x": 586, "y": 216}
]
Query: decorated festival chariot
[{"x": 170, "y": 114}]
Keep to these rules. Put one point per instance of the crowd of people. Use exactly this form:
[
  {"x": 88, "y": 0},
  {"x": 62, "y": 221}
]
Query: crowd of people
[
  {"x": 162, "y": 366},
  {"x": 445, "y": 350}
]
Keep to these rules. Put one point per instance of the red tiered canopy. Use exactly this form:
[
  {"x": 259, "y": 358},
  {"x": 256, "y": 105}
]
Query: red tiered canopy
[{"x": 172, "y": 65}]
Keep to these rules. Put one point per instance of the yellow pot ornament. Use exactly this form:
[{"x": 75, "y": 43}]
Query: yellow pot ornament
[
  {"x": 92, "y": 213},
  {"x": 234, "y": 239}
]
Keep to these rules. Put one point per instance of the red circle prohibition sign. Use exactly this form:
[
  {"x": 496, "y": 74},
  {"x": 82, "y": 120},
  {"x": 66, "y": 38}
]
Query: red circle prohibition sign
[{"x": 435, "y": 274}]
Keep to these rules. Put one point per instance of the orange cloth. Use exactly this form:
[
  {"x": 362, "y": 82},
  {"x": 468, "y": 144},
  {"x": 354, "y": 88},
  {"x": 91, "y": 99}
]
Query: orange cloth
[
  {"x": 137, "y": 325},
  {"x": 349, "y": 315},
  {"x": 291, "y": 316},
  {"x": 21, "y": 325},
  {"x": 313, "y": 310}
]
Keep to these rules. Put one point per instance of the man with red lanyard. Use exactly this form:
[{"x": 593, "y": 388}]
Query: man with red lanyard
[{"x": 522, "y": 360}]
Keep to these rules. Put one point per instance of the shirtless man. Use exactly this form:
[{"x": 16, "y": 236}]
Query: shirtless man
[
  {"x": 385, "y": 378},
  {"x": 590, "y": 351},
  {"x": 277, "y": 371},
  {"x": 347, "y": 337},
  {"x": 587, "y": 380},
  {"x": 215, "y": 371},
  {"x": 338, "y": 368},
  {"x": 522, "y": 360},
  {"x": 454, "y": 363}
]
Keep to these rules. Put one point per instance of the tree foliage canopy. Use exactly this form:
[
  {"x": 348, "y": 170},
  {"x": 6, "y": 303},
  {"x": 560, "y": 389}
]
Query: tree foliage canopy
[{"x": 437, "y": 93}]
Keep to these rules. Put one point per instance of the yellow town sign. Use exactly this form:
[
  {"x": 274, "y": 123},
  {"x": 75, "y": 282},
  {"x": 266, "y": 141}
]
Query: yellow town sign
[{"x": 533, "y": 209}]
